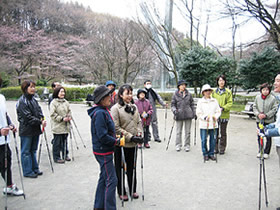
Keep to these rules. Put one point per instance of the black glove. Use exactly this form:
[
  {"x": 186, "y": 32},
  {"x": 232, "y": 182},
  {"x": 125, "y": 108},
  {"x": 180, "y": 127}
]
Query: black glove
[
  {"x": 137, "y": 139},
  {"x": 195, "y": 117}
]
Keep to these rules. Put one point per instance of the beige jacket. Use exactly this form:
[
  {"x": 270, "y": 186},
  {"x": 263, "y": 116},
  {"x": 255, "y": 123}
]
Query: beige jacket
[
  {"x": 126, "y": 123},
  {"x": 59, "y": 109}
]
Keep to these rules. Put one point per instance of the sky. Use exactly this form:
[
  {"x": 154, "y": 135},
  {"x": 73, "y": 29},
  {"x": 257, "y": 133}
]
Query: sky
[{"x": 219, "y": 31}]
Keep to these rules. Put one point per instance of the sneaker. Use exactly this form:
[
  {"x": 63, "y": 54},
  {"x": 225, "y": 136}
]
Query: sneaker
[
  {"x": 39, "y": 173},
  {"x": 12, "y": 190},
  {"x": 178, "y": 149},
  {"x": 146, "y": 145},
  {"x": 139, "y": 146},
  {"x": 258, "y": 155},
  {"x": 187, "y": 149},
  {"x": 31, "y": 175},
  {"x": 158, "y": 140},
  {"x": 206, "y": 158},
  {"x": 124, "y": 198},
  {"x": 265, "y": 156}
]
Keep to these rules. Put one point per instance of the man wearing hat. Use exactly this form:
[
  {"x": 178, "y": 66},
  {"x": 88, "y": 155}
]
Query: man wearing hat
[
  {"x": 111, "y": 85},
  {"x": 103, "y": 143},
  {"x": 182, "y": 106}
]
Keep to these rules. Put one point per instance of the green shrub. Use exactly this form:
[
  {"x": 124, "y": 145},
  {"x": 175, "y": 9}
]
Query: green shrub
[
  {"x": 11, "y": 92},
  {"x": 166, "y": 96}
]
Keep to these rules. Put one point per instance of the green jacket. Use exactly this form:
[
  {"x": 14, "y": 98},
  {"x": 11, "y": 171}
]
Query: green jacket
[{"x": 224, "y": 100}]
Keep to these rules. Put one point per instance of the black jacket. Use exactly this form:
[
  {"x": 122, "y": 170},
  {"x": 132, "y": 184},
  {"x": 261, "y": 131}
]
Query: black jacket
[{"x": 29, "y": 116}]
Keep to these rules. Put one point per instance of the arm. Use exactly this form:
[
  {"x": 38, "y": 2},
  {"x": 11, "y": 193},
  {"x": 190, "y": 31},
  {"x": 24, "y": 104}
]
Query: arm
[
  {"x": 228, "y": 105},
  {"x": 160, "y": 99},
  {"x": 173, "y": 104},
  {"x": 54, "y": 115},
  {"x": 217, "y": 111},
  {"x": 273, "y": 109},
  {"x": 27, "y": 115},
  {"x": 150, "y": 111}
]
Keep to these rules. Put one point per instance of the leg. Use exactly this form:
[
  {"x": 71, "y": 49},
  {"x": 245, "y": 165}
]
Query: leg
[
  {"x": 118, "y": 166},
  {"x": 129, "y": 157},
  {"x": 26, "y": 159},
  {"x": 267, "y": 145},
  {"x": 203, "y": 136},
  {"x": 146, "y": 134},
  {"x": 56, "y": 147},
  {"x": 179, "y": 127},
  {"x": 34, "y": 147},
  {"x": 155, "y": 125},
  {"x": 223, "y": 141},
  {"x": 2, "y": 164},
  {"x": 188, "y": 124},
  {"x": 212, "y": 142},
  {"x": 217, "y": 137}
]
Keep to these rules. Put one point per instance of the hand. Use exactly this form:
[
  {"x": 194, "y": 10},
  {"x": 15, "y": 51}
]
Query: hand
[
  {"x": 261, "y": 116},
  {"x": 13, "y": 128},
  {"x": 44, "y": 123},
  {"x": 214, "y": 118},
  {"x": 137, "y": 139},
  {"x": 121, "y": 141},
  {"x": 166, "y": 105},
  {"x": 145, "y": 116},
  {"x": 175, "y": 112},
  {"x": 5, "y": 131}
]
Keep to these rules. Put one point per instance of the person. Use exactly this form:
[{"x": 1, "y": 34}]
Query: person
[
  {"x": 53, "y": 85},
  {"x": 265, "y": 108},
  {"x": 30, "y": 119},
  {"x": 112, "y": 86},
  {"x": 145, "y": 110},
  {"x": 154, "y": 97},
  {"x": 182, "y": 106},
  {"x": 5, "y": 127},
  {"x": 103, "y": 142},
  {"x": 224, "y": 98},
  {"x": 128, "y": 123},
  {"x": 208, "y": 112},
  {"x": 60, "y": 114}
]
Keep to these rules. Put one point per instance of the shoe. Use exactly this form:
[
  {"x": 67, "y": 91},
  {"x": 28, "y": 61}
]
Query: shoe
[
  {"x": 178, "y": 149},
  {"x": 187, "y": 149},
  {"x": 258, "y": 155},
  {"x": 212, "y": 157},
  {"x": 158, "y": 140},
  {"x": 222, "y": 152},
  {"x": 68, "y": 158},
  {"x": 59, "y": 161},
  {"x": 31, "y": 176},
  {"x": 206, "y": 158},
  {"x": 124, "y": 198},
  {"x": 39, "y": 173},
  {"x": 146, "y": 145},
  {"x": 140, "y": 146},
  {"x": 12, "y": 190},
  {"x": 265, "y": 156},
  {"x": 135, "y": 195},
  {"x": 216, "y": 151}
]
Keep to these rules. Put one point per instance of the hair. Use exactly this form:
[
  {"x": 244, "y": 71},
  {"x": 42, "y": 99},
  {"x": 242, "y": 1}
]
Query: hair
[
  {"x": 223, "y": 77},
  {"x": 26, "y": 84},
  {"x": 265, "y": 85},
  {"x": 1, "y": 81},
  {"x": 57, "y": 90},
  {"x": 121, "y": 91},
  {"x": 147, "y": 81},
  {"x": 53, "y": 84}
]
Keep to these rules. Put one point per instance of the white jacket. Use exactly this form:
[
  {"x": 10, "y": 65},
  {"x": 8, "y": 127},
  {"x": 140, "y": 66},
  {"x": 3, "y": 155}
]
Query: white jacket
[
  {"x": 3, "y": 118},
  {"x": 207, "y": 108}
]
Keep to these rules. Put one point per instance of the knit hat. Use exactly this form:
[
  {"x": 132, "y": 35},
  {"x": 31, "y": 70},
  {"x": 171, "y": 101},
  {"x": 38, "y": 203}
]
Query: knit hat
[
  {"x": 181, "y": 82},
  {"x": 141, "y": 91},
  {"x": 99, "y": 93}
]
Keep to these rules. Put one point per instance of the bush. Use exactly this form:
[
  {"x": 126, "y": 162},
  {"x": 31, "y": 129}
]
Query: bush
[
  {"x": 166, "y": 96},
  {"x": 11, "y": 92}
]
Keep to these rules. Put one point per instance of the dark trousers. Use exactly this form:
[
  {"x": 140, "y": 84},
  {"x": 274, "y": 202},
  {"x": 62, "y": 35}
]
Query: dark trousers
[
  {"x": 221, "y": 143},
  {"x": 2, "y": 164},
  {"x": 129, "y": 158},
  {"x": 268, "y": 142},
  {"x": 59, "y": 146},
  {"x": 146, "y": 134},
  {"x": 105, "y": 196}
]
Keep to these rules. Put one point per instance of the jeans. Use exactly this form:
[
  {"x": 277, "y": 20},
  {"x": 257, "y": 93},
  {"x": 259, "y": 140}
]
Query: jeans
[
  {"x": 29, "y": 145},
  {"x": 204, "y": 134},
  {"x": 105, "y": 196}
]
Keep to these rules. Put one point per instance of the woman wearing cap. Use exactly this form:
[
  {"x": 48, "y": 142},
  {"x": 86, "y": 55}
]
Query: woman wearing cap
[
  {"x": 145, "y": 110},
  {"x": 224, "y": 98},
  {"x": 111, "y": 85},
  {"x": 265, "y": 107},
  {"x": 103, "y": 142},
  {"x": 208, "y": 112},
  {"x": 182, "y": 107},
  {"x": 60, "y": 118},
  {"x": 128, "y": 123}
]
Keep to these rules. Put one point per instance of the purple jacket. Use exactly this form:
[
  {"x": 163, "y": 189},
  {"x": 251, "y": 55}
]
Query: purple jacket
[{"x": 144, "y": 106}]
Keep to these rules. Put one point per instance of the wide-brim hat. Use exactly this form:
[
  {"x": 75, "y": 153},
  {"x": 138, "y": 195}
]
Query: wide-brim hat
[
  {"x": 100, "y": 92},
  {"x": 206, "y": 87},
  {"x": 181, "y": 82}
]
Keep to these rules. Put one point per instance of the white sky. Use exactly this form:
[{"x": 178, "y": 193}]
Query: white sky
[{"x": 219, "y": 31}]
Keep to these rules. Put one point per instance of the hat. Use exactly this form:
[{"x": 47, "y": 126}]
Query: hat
[
  {"x": 206, "y": 87},
  {"x": 181, "y": 82},
  {"x": 110, "y": 82},
  {"x": 141, "y": 91},
  {"x": 99, "y": 93}
]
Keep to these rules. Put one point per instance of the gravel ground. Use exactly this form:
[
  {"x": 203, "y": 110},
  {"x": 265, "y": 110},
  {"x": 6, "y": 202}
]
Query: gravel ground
[{"x": 172, "y": 180}]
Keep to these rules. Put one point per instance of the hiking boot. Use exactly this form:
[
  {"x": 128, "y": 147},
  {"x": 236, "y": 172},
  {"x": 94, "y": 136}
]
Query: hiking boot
[
  {"x": 146, "y": 145},
  {"x": 212, "y": 157},
  {"x": 12, "y": 190},
  {"x": 124, "y": 198}
]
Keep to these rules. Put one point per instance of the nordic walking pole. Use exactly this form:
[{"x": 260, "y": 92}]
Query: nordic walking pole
[
  {"x": 134, "y": 171},
  {"x": 72, "y": 130},
  {"x": 124, "y": 171},
  {"x": 40, "y": 148},
  {"x": 170, "y": 135},
  {"x": 142, "y": 173},
  {"x": 215, "y": 136},
  {"x": 78, "y": 132},
  {"x": 19, "y": 168},
  {"x": 165, "y": 119},
  {"x": 6, "y": 173},
  {"x": 45, "y": 136},
  {"x": 195, "y": 131}
]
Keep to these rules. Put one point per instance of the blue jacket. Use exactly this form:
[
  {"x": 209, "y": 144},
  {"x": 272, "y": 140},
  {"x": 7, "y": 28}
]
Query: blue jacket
[{"x": 102, "y": 130}]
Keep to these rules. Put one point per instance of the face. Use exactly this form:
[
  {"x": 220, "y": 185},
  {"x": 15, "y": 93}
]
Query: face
[
  {"x": 277, "y": 84},
  {"x": 110, "y": 87},
  {"x": 265, "y": 91},
  {"x": 182, "y": 87},
  {"x": 61, "y": 93},
  {"x": 127, "y": 96},
  {"x": 106, "y": 101},
  {"x": 141, "y": 95},
  {"x": 148, "y": 85},
  {"x": 31, "y": 89},
  {"x": 207, "y": 93},
  {"x": 57, "y": 84},
  {"x": 221, "y": 82}
]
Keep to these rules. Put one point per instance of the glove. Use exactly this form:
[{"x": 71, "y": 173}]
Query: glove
[
  {"x": 145, "y": 115},
  {"x": 175, "y": 112},
  {"x": 195, "y": 117},
  {"x": 137, "y": 139},
  {"x": 120, "y": 141}
]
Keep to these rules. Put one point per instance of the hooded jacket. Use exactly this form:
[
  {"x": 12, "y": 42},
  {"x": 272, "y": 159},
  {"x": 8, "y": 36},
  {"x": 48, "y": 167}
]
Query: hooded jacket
[
  {"x": 224, "y": 100},
  {"x": 144, "y": 106},
  {"x": 29, "y": 116},
  {"x": 102, "y": 130}
]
